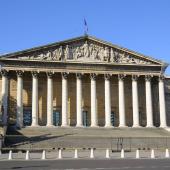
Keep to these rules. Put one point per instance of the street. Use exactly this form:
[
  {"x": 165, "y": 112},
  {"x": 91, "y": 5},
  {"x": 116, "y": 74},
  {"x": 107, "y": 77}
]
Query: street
[{"x": 99, "y": 164}]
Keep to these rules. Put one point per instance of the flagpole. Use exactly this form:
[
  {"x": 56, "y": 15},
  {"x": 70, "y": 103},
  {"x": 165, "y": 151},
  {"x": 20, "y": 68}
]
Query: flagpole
[{"x": 85, "y": 27}]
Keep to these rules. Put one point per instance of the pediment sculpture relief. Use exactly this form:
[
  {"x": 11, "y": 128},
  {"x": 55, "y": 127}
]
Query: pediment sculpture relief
[{"x": 86, "y": 51}]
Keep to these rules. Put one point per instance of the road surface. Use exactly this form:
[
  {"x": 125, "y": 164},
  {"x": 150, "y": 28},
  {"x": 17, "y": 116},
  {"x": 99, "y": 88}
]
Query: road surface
[{"x": 102, "y": 164}]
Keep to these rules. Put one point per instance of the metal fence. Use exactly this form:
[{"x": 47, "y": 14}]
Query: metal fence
[{"x": 141, "y": 143}]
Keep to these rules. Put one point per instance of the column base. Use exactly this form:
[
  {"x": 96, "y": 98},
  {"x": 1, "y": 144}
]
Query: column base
[
  {"x": 167, "y": 128},
  {"x": 79, "y": 126},
  {"x": 108, "y": 126},
  {"x": 123, "y": 126},
  {"x": 163, "y": 126},
  {"x": 65, "y": 126},
  {"x": 50, "y": 125},
  {"x": 35, "y": 125},
  {"x": 150, "y": 126},
  {"x": 136, "y": 126},
  {"x": 94, "y": 126}
]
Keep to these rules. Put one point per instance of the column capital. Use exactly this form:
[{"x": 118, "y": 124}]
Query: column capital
[
  {"x": 148, "y": 77},
  {"x": 107, "y": 76},
  {"x": 79, "y": 75},
  {"x": 161, "y": 77},
  {"x": 64, "y": 75},
  {"x": 135, "y": 77},
  {"x": 19, "y": 73},
  {"x": 121, "y": 76},
  {"x": 4, "y": 72},
  {"x": 34, "y": 74},
  {"x": 49, "y": 74},
  {"x": 93, "y": 76}
]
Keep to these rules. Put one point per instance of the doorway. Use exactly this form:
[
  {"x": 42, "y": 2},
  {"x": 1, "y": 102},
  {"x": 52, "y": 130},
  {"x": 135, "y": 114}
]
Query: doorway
[
  {"x": 56, "y": 118},
  {"x": 85, "y": 118},
  {"x": 112, "y": 118},
  {"x": 27, "y": 117}
]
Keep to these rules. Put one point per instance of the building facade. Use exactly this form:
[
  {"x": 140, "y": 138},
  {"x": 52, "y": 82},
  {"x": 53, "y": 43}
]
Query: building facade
[{"x": 84, "y": 82}]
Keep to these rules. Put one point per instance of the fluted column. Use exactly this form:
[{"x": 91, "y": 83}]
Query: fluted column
[
  {"x": 19, "y": 121},
  {"x": 94, "y": 117},
  {"x": 162, "y": 105},
  {"x": 122, "y": 116},
  {"x": 49, "y": 99},
  {"x": 149, "y": 109},
  {"x": 64, "y": 100},
  {"x": 107, "y": 101},
  {"x": 34, "y": 98},
  {"x": 4, "y": 107},
  {"x": 135, "y": 101},
  {"x": 79, "y": 100}
]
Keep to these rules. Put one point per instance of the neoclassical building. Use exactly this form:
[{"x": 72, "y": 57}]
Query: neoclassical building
[{"x": 81, "y": 82}]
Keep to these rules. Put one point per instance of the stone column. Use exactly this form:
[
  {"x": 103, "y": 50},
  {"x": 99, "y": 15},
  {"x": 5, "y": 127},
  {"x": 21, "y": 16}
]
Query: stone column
[
  {"x": 162, "y": 105},
  {"x": 49, "y": 99},
  {"x": 149, "y": 110},
  {"x": 34, "y": 98},
  {"x": 107, "y": 101},
  {"x": 79, "y": 100},
  {"x": 4, "y": 107},
  {"x": 19, "y": 121},
  {"x": 135, "y": 101},
  {"x": 122, "y": 116},
  {"x": 94, "y": 121},
  {"x": 64, "y": 100}
]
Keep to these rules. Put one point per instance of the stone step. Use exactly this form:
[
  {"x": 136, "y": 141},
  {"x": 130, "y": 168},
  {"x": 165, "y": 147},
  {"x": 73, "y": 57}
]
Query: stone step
[
  {"x": 102, "y": 132},
  {"x": 86, "y": 142},
  {"x": 115, "y": 138}
]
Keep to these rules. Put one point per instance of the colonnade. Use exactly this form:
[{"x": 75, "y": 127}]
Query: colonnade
[{"x": 94, "y": 114}]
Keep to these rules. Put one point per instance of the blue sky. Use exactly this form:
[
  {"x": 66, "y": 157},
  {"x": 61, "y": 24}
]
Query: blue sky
[{"x": 140, "y": 25}]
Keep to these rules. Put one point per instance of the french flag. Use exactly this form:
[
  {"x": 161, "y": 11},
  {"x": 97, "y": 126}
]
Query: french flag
[{"x": 85, "y": 26}]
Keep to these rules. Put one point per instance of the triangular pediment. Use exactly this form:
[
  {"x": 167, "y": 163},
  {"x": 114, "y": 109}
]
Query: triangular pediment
[{"x": 83, "y": 49}]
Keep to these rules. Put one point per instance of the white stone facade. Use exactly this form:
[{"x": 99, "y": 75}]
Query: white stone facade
[{"x": 93, "y": 58}]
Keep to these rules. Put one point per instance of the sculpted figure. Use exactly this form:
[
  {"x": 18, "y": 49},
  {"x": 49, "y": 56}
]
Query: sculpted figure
[
  {"x": 78, "y": 53},
  {"x": 68, "y": 54},
  {"x": 121, "y": 58},
  {"x": 48, "y": 55},
  {"x": 90, "y": 49},
  {"x": 106, "y": 54},
  {"x": 125, "y": 58},
  {"x": 32, "y": 57},
  {"x": 24, "y": 57},
  {"x": 60, "y": 53},
  {"x": 137, "y": 61},
  {"x": 130, "y": 59},
  {"x": 54, "y": 54},
  {"x": 101, "y": 54},
  {"x": 57, "y": 54},
  {"x": 116, "y": 57},
  {"x": 85, "y": 50},
  {"x": 112, "y": 55},
  {"x": 40, "y": 56},
  {"x": 95, "y": 54}
]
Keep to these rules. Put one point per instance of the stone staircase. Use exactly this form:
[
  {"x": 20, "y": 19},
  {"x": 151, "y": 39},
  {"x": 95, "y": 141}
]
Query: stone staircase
[{"x": 114, "y": 138}]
